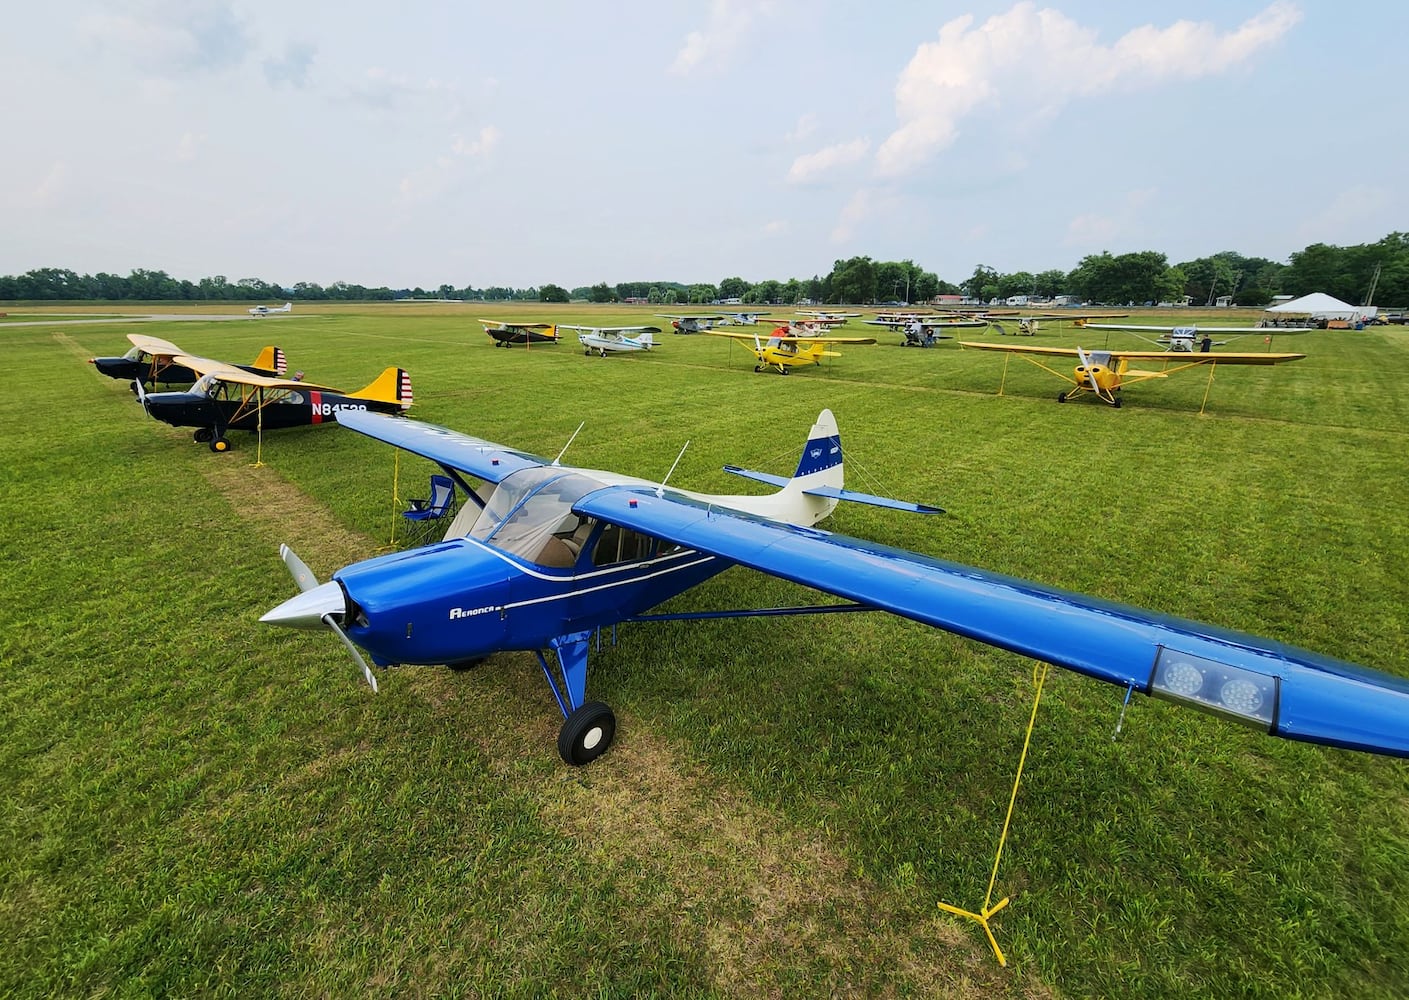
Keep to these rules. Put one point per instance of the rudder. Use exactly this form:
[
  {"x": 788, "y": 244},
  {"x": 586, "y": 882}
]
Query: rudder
[{"x": 393, "y": 385}]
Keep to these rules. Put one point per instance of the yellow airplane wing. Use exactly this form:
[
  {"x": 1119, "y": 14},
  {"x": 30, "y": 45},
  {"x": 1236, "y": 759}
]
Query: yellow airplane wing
[
  {"x": 750, "y": 337},
  {"x": 1183, "y": 359},
  {"x": 503, "y": 325},
  {"x": 238, "y": 376},
  {"x": 1061, "y": 352},
  {"x": 805, "y": 339},
  {"x": 154, "y": 345}
]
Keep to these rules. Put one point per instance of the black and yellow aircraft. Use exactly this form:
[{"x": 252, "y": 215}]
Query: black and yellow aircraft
[
  {"x": 514, "y": 334},
  {"x": 153, "y": 360},
  {"x": 227, "y": 398}
]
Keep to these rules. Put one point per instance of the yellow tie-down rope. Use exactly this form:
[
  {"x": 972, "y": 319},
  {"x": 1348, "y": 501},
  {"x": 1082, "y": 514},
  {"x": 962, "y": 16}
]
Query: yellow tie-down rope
[{"x": 1039, "y": 677}]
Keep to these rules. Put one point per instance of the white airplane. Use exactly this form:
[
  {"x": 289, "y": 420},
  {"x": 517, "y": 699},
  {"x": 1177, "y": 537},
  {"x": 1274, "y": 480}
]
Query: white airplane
[
  {"x": 260, "y": 311},
  {"x": 614, "y": 339},
  {"x": 821, "y": 316},
  {"x": 1191, "y": 338}
]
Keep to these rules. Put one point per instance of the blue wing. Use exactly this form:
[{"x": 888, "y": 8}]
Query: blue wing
[
  {"x": 1286, "y": 691},
  {"x": 482, "y": 459}
]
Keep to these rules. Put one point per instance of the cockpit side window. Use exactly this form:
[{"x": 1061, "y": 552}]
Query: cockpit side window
[{"x": 617, "y": 545}]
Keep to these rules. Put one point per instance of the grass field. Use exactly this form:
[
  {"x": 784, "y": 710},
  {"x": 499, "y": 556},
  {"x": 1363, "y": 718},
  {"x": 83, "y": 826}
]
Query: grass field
[{"x": 197, "y": 804}]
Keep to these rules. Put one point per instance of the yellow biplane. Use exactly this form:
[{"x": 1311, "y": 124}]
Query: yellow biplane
[
  {"x": 1105, "y": 373},
  {"x": 783, "y": 349}
]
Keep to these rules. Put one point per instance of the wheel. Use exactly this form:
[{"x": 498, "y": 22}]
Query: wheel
[
  {"x": 587, "y": 353},
  {"x": 782, "y": 369},
  {"x": 1061, "y": 397},
  {"x": 758, "y": 368},
  {"x": 586, "y": 734},
  {"x": 203, "y": 435},
  {"x": 219, "y": 444},
  {"x": 1116, "y": 404},
  {"x": 602, "y": 352}
]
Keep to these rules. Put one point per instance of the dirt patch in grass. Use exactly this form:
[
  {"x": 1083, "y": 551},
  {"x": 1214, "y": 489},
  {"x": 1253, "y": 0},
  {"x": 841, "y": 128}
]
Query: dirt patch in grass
[{"x": 283, "y": 513}]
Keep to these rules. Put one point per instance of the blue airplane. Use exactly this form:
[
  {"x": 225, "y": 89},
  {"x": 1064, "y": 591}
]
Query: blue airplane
[{"x": 546, "y": 555}]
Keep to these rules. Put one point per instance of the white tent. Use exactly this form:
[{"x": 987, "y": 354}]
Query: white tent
[{"x": 1319, "y": 305}]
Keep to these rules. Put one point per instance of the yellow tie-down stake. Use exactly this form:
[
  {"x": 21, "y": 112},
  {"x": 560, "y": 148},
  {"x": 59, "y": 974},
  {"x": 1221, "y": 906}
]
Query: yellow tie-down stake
[{"x": 1039, "y": 677}]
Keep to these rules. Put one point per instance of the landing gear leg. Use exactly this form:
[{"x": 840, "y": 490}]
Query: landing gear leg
[{"x": 588, "y": 726}]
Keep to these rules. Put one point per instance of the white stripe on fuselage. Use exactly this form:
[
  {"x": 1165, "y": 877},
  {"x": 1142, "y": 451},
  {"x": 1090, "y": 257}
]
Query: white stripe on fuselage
[{"x": 622, "y": 568}]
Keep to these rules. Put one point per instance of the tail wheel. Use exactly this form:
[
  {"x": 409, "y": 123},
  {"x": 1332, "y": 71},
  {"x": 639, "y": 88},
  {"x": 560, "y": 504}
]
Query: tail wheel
[{"x": 586, "y": 734}]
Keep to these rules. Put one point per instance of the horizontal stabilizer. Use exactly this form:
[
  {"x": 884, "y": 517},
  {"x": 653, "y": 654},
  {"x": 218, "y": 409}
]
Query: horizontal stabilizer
[{"x": 837, "y": 493}]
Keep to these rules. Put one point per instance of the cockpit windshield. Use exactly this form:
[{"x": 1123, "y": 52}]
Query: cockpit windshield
[
  {"x": 530, "y": 514},
  {"x": 206, "y": 385}
]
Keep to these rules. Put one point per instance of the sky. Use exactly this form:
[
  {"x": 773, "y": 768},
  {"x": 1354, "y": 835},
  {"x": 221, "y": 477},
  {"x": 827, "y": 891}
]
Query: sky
[{"x": 517, "y": 144}]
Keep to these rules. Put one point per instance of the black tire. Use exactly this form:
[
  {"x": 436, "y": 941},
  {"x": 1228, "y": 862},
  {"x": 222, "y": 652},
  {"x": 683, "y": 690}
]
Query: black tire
[
  {"x": 1061, "y": 397},
  {"x": 587, "y": 353},
  {"x": 1116, "y": 404},
  {"x": 586, "y": 734},
  {"x": 758, "y": 368},
  {"x": 203, "y": 435},
  {"x": 219, "y": 444}
]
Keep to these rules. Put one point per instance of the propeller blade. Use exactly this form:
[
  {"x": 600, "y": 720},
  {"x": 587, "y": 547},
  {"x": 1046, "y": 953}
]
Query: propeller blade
[
  {"x": 316, "y": 605},
  {"x": 303, "y": 576},
  {"x": 141, "y": 393},
  {"x": 1090, "y": 375},
  {"x": 356, "y": 655}
]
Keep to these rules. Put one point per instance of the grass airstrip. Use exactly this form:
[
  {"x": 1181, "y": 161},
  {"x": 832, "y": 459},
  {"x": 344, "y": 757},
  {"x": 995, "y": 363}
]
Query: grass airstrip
[{"x": 196, "y": 804}]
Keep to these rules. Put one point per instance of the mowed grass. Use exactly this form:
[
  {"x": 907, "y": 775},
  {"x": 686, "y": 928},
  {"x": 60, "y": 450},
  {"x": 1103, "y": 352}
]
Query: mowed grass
[{"x": 198, "y": 804}]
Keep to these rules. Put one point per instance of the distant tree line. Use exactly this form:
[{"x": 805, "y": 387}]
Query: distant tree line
[{"x": 1144, "y": 276}]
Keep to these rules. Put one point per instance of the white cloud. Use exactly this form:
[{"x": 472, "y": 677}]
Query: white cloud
[
  {"x": 1348, "y": 214},
  {"x": 443, "y": 172},
  {"x": 1092, "y": 230},
  {"x": 483, "y": 145},
  {"x": 806, "y": 125},
  {"x": 1029, "y": 59},
  {"x": 728, "y": 25},
  {"x": 53, "y": 184},
  {"x": 170, "y": 37},
  {"x": 292, "y": 66},
  {"x": 860, "y": 208},
  {"x": 810, "y": 166},
  {"x": 188, "y": 146}
]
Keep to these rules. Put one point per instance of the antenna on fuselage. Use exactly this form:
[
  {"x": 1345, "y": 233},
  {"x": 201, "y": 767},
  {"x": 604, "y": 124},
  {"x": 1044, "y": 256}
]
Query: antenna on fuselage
[
  {"x": 660, "y": 490},
  {"x": 570, "y": 441}
]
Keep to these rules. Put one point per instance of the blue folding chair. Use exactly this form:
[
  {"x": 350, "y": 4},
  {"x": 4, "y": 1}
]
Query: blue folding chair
[{"x": 424, "y": 516}]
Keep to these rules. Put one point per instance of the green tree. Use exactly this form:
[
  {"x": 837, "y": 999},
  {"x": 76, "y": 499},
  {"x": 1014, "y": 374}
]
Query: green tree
[
  {"x": 733, "y": 288},
  {"x": 976, "y": 285},
  {"x": 552, "y": 293},
  {"x": 601, "y": 292},
  {"x": 852, "y": 280}
]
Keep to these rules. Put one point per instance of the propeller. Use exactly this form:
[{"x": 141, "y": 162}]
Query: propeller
[
  {"x": 141, "y": 393},
  {"x": 317, "y": 604},
  {"x": 1090, "y": 375}
]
